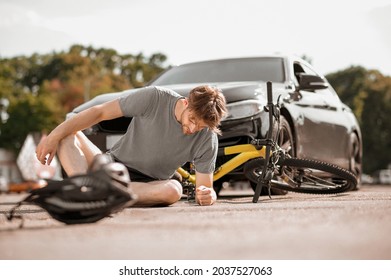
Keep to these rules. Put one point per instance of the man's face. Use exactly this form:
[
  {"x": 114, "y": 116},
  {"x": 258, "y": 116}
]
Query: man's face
[{"x": 190, "y": 123}]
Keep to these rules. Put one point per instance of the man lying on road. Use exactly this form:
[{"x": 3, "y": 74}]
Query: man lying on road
[{"x": 167, "y": 130}]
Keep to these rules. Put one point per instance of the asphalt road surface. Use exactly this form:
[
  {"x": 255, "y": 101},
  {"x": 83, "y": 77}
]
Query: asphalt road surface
[{"x": 354, "y": 226}]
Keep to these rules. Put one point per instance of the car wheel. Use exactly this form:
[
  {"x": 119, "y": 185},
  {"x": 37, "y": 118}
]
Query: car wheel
[
  {"x": 286, "y": 141},
  {"x": 285, "y": 138},
  {"x": 355, "y": 164}
]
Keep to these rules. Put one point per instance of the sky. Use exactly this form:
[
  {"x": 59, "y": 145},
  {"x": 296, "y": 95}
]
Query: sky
[{"x": 334, "y": 34}]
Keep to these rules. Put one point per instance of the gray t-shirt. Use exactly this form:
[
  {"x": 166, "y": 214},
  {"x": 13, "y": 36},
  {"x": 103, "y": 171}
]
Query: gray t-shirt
[{"x": 154, "y": 143}]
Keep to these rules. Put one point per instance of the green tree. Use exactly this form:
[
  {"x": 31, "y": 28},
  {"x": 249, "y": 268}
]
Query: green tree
[
  {"x": 27, "y": 114},
  {"x": 368, "y": 93},
  {"x": 41, "y": 89}
]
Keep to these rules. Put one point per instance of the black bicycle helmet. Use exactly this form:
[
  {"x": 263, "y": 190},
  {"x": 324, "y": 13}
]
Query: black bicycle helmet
[{"x": 85, "y": 198}]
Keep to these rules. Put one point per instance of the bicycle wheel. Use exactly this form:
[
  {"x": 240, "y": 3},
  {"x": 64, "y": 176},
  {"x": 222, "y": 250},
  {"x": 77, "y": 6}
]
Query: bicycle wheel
[{"x": 304, "y": 176}]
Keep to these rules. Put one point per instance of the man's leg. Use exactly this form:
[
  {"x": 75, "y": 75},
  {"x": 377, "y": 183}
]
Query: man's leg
[
  {"x": 157, "y": 193},
  {"x": 76, "y": 153}
]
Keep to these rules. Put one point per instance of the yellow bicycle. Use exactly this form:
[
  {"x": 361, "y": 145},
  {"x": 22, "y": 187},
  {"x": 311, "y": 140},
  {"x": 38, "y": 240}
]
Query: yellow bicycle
[{"x": 269, "y": 166}]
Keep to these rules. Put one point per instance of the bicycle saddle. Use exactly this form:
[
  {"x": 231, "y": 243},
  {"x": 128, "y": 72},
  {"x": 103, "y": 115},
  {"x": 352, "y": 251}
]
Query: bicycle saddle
[{"x": 85, "y": 198}]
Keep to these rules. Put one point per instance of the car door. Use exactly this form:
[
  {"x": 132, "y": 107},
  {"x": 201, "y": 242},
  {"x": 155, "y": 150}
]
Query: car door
[{"x": 321, "y": 128}]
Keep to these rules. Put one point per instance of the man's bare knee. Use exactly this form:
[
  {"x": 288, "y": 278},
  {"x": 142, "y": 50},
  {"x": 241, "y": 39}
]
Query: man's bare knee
[
  {"x": 67, "y": 142},
  {"x": 157, "y": 193},
  {"x": 171, "y": 193},
  {"x": 174, "y": 191},
  {"x": 71, "y": 157},
  {"x": 67, "y": 146}
]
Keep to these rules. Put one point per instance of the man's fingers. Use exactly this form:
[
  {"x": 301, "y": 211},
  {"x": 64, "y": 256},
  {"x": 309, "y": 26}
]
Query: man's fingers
[
  {"x": 203, "y": 190},
  {"x": 42, "y": 160},
  {"x": 205, "y": 195},
  {"x": 42, "y": 157},
  {"x": 51, "y": 156},
  {"x": 39, "y": 154},
  {"x": 42, "y": 151}
]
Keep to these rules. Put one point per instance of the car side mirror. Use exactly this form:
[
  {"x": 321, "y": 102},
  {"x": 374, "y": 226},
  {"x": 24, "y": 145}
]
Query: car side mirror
[{"x": 311, "y": 82}]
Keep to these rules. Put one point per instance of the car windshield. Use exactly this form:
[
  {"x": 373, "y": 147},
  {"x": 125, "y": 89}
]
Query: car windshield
[{"x": 228, "y": 70}]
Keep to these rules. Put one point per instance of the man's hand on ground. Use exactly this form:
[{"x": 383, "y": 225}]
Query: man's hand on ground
[{"x": 205, "y": 195}]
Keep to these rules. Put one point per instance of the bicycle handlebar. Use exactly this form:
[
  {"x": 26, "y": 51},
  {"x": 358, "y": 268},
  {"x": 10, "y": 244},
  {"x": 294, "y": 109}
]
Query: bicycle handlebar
[
  {"x": 270, "y": 107},
  {"x": 269, "y": 93}
]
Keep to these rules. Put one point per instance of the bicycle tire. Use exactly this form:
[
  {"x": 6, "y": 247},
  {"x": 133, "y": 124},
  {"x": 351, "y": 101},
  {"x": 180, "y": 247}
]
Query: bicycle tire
[{"x": 304, "y": 176}]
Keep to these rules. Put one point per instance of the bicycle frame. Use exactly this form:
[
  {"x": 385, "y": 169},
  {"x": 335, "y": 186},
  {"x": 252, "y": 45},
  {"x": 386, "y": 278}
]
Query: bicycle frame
[{"x": 244, "y": 152}]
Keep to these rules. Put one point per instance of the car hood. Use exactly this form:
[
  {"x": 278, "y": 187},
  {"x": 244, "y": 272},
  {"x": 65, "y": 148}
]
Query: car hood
[{"x": 233, "y": 92}]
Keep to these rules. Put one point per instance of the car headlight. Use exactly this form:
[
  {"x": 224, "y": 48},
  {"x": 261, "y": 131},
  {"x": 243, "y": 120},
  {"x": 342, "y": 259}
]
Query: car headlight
[{"x": 243, "y": 109}]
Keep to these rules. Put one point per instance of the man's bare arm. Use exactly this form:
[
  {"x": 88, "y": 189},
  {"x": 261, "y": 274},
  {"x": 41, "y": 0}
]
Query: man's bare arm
[
  {"x": 47, "y": 148},
  {"x": 205, "y": 194}
]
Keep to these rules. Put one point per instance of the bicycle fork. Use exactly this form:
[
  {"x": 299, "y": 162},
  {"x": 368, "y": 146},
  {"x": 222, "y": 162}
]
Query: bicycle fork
[
  {"x": 263, "y": 182},
  {"x": 267, "y": 172}
]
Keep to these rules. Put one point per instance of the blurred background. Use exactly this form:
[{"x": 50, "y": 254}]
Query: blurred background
[{"x": 55, "y": 55}]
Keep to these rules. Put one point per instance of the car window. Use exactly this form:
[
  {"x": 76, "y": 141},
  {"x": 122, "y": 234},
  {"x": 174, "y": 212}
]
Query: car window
[{"x": 229, "y": 70}]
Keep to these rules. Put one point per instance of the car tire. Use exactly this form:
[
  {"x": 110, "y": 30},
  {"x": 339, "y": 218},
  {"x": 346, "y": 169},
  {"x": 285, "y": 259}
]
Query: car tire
[
  {"x": 286, "y": 141},
  {"x": 285, "y": 137}
]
